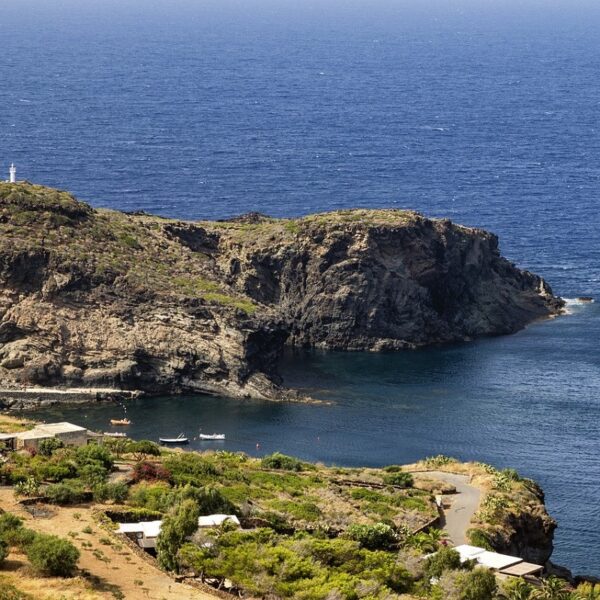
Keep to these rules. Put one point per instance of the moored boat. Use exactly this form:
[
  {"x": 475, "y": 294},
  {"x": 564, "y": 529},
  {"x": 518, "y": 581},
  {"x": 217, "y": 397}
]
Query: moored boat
[
  {"x": 212, "y": 436},
  {"x": 180, "y": 439},
  {"x": 115, "y": 434},
  {"x": 120, "y": 422}
]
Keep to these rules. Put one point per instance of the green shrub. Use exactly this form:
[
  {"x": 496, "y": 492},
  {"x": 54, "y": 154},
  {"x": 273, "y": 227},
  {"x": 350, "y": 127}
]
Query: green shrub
[
  {"x": 9, "y": 522},
  {"x": 93, "y": 474},
  {"x": 282, "y": 461},
  {"x": 116, "y": 492},
  {"x": 55, "y": 471},
  {"x": 3, "y": 551},
  {"x": 63, "y": 493},
  {"x": 479, "y": 584},
  {"x": 13, "y": 532},
  {"x": 94, "y": 454},
  {"x": 379, "y": 536},
  {"x": 404, "y": 480},
  {"x": 445, "y": 559},
  {"x": 47, "y": 447},
  {"x": 53, "y": 555},
  {"x": 392, "y": 468}
]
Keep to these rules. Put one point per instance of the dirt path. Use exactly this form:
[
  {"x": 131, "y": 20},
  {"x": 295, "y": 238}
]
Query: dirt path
[
  {"x": 463, "y": 505},
  {"x": 113, "y": 566}
]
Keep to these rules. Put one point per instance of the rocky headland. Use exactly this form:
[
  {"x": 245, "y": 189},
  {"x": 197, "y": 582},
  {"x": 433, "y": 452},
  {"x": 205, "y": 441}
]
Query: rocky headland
[{"x": 93, "y": 298}]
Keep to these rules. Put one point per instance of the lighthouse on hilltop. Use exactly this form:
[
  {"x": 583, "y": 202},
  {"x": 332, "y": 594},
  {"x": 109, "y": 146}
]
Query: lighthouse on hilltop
[{"x": 12, "y": 173}]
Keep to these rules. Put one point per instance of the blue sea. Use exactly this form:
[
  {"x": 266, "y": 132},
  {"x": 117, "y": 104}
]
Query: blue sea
[{"x": 484, "y": 112}]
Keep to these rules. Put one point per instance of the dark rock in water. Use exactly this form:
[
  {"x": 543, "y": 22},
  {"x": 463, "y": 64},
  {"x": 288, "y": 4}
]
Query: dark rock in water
[
  {"x": 97, "y": 298},
  {"x": 585, "y": 299}
]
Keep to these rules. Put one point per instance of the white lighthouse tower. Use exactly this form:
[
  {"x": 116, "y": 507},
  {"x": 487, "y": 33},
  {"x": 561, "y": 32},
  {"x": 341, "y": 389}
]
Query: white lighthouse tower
[{"x": 12, "y": 177}]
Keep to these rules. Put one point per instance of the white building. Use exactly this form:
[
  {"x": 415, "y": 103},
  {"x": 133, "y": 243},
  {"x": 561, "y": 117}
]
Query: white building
[
  {"x": 69, "y": 434},
  {"x": 501, "y": 563},
  {"x": 146, "y": 532},
  {"x": 12, "y": 173}
]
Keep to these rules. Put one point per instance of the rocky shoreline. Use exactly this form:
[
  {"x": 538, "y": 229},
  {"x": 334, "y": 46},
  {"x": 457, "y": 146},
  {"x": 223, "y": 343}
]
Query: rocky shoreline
[{"x": 101, "y": 299}]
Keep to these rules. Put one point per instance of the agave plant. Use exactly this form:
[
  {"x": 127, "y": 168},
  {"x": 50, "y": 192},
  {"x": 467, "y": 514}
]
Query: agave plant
[
  {"x": 428, "y": 542},
  {"x": 552, "y": 588},
  {"x": 587, "y": 591},
  {"x": 516, "y": 589}
]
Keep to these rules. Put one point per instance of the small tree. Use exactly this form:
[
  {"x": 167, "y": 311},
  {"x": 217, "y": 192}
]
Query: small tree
[
  {"x": 176, "y": 527},
  {"x": 53, "y": 555},
  {"x": 142, "y": 449},
  {"x": 444, "y": 559},
  {"x": 93, "y": 454}
]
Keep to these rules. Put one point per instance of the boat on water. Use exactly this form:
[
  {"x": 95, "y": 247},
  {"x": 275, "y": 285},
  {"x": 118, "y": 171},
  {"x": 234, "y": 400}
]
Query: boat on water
[
  {"x": 212, "y": 436},
  {"x": 180, "y": 439},
  {"x": 120, "y": 422},
  {"x": 115, "y": 434}
]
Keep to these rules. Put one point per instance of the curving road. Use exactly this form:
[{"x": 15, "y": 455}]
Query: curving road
[{"x": 457, "y": 519}]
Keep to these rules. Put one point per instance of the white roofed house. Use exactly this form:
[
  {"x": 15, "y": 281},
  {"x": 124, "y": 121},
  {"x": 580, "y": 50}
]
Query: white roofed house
[
  {"x": 500, "y": 563},
  {"x": 69, "y": 434}
]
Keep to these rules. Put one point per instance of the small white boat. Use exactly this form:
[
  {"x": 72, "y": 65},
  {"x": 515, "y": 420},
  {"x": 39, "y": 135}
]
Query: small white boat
[
  {"x": 115, "y": 434},
  {"x": 180, "y": 439},
  {"x": 212, "y": 436}
]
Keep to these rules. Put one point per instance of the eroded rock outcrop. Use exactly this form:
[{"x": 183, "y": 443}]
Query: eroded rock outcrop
[{"x": 101, "y": 298}]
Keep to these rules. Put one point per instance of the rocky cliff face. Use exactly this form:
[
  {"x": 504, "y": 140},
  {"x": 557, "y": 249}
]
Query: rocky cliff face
[
  {"x": 101, "y": 298},
  {"x": 527, "y": 532}
]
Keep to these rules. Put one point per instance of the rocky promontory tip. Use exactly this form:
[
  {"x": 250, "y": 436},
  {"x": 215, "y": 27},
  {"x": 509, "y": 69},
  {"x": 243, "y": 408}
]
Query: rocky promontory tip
[{"x": 99, "y": 298}]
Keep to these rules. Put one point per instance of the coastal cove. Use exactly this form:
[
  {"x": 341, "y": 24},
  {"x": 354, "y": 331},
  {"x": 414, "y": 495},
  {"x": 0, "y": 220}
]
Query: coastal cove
[{"x": 527, "y": 401}]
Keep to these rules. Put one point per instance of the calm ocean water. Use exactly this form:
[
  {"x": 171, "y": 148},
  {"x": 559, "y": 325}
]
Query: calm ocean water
[{"x": 486, "y": 115}]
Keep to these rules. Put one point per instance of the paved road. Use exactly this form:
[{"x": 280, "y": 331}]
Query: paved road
[{"x": 464, "y": 504}]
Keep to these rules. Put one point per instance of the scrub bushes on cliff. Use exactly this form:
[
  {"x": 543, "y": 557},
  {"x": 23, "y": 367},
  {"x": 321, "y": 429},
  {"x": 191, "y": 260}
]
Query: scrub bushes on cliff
[
  {"x": 404, "y": 480},
  {"x": 190, "y": 468},
  {"x": 282, "y": 461},
  {"x": 262, "y": 563},
  {"x": 161, "y": 497}
]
